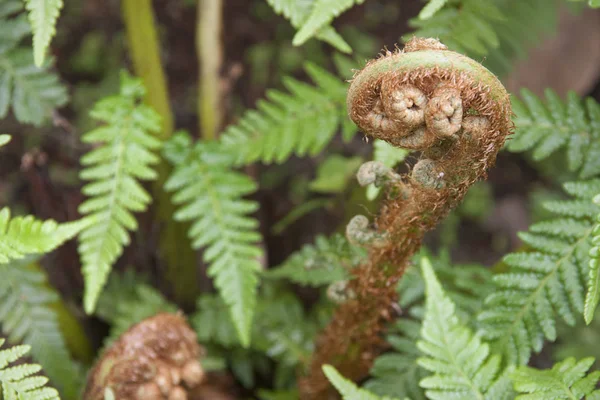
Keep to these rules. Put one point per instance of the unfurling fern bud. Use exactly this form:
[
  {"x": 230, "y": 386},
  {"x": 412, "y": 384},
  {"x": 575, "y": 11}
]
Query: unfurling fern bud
[
  {"x": 359, "y": 233},
  {"x": 157, "y": 359}
]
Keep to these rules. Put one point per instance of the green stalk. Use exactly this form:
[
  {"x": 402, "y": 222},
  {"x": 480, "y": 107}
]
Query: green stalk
[
  {"x": 210, "y": 56},
  {"x": 174, "y": 245}
]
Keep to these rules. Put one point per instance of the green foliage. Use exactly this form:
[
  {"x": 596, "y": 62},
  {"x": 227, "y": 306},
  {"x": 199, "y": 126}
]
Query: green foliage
[
  {"x": 19, "y": 382},
  {"x": 593, "y": 288},
  {"x": 547, "y": 280},
  {"x": 124, "y": 156},
  {"x": 326, "y": 261},
  {"x": 547, "y": 127},
  {"x": 396, "y": 373},
  {"x": 27, "y": 315},
  {"x": 302, "y": 122},
  {"x": 321, "y": 15},
  {"x": 127, "y": 300},
  {"x": 506, "y": 28},
  {"x": 210, "y": 194},
  {"x": 591, "y": 3},
  {"x": 431, "y": 8},
  {"x": 31, "y": 91},
  {"x": 390, "y": 156},
  {"x": 567, "y": 379},
  {"x": 4, "y": 139},
  {"x": 21, "y": 236},
  {"x": 298, "y": 12},
  {"x": 347, "y": 388},
  {"x": 334, "y": 174},
  {"x": 463, "y": 365},
  {"x": 42, "y": 17}
]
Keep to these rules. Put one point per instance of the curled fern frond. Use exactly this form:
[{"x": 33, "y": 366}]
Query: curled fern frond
[
  {"x": 326, "y": 261},
  {"x": 27, "y": 315},
  {"x": 42, "y": 16},
  {"x": 31, "y": 91},
  {"x": 124, "y": 157},
  {"x": 545, "y": 282},
  {"x": 22, "y": 236},
  {"x": 568, "y": 379},
  {"x": 301, "y": 122},
  {"x": 298, "y": 12},
  {"x": 20, "y": 382},
  {"x": 593, "y": 288},
  {"x": 209, "y": 193},
  {"x": 462, "y": 364},
  {"x": 545, "y": 127}
]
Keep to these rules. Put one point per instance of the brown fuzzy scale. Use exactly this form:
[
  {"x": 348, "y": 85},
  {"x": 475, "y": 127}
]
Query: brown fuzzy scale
[
  {"x": 148, "y": 361},
  {"x": 354, "y": 337}
]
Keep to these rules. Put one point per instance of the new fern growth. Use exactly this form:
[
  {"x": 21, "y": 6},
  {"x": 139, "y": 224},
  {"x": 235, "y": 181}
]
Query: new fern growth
[
  {"x": 20, "y": 382},
  {"x": 124, "y": 156},
  {"x": 457, "y": 113}
]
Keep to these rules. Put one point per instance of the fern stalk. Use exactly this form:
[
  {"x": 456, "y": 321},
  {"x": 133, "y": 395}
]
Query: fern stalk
[
  {"x": 174, "y": 247},
  {"x": 210, "y": 56}
]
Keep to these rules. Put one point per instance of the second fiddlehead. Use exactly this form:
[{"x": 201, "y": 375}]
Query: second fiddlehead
[{"x": 458, "y": 115}]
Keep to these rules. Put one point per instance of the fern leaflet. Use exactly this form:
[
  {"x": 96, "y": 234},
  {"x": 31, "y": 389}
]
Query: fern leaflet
[
  {"x": 302, "y": 122},
  {"x": 114, "y": 168},
  {"x": 545, "y": 128},
  {"x": 347, "y": 388},
  {"x": 210, "y": 194},
  {"x": 566, "y": 380},
  {"x": 326, "y": 261},
  {"x": 42, "y": 17},
  {"x": 31, "y": 91},
  {"x": 545, "y": 281},
  {"x": 27, "y": 315},
  {"x": 21, "y": 236},
  {"x": 19, "y": 382},
  {"x": 462, "y": 364},
  {"x": 431, "y": 8},
  {"x": 299, "y": 11},
  {"x": 593, "y": 288},
  {"x": 321, "y": 14}
]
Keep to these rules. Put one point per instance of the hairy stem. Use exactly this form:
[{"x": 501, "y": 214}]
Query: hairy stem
[
  {"x": 458, "y": 115},
  {"x": 174, "y": 245},
  {"x": 210, "y": 55}
]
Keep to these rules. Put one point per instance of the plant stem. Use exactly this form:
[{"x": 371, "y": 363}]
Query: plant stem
[
  {"x": 210, "y": 56},
  {"x": 174, "y": 245}
]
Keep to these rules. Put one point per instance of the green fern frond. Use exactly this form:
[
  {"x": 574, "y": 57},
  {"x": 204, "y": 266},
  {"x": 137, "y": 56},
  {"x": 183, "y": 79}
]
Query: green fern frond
[
  {"x": 431, "y": 8},
  {"x": 125, "y": 156},
  {"x": 545, "y": 127},
  {"x": 27, "y": 315},
  {"x": 31, "y": 91},
  {"x": 347, "y": 388},
  {"x": 22, "y": 236},
  {"x": 42, "y": 17},
  {"x": 326, "y": 261},
  {"x": 321, "y": 15},
  {"x": 127, "y": 300},
  {"x": 505, "y": 28},
  {"x": 568, "y": 379},
  {"x": 543, "y": 283},
  {"x": 593, "y": 288},
  {"x": 20, "y": 382},
  {"x": 390, "y": 156},
  {"x": 302, "y": 122},
  {"x": 209, "y": 193},
  {"x": 463, "y": 365},
  {"x": 4, "y": 139},
  {"x": 299, "y": 11}
]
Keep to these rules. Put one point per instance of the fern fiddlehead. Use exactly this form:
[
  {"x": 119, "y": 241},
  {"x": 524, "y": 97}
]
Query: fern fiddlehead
[{"x": 458, "y": 115}]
